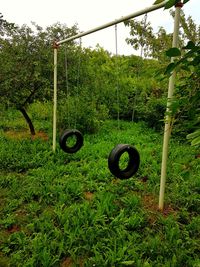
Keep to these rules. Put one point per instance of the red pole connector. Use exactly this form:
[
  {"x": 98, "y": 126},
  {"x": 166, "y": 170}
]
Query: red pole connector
[
  {"x": 179, "y": 4},
  {"x": 55, "y": 45}
]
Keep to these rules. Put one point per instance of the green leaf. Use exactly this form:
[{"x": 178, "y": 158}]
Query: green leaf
[
  {"x": 190, "y": 45},
  {"x": 196, "y": 141},
  {"x": 185, "y": 67},
  {"x": 157, "y": 2},
  {"x": 193, "y": 135},
  {"x": 171, "y": 3},
  {"x": 173, "y": 52},
  {"x": 185, "y": 1},
  {"x": 196, "y": 61},
  {"x": 170, "y": 68},
  {"x": 128, "y": 263}
]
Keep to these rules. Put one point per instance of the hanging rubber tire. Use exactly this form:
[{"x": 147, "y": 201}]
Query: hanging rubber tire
[
  {"x": 114, "y": 161},
  {"x": 70, "y": 133}
]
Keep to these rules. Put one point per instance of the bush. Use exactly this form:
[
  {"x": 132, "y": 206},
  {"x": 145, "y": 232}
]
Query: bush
[
  {"x": 78, "y": 112},
  {"x": 41, "y": 111},
  {"x": 151, "y": 112}
]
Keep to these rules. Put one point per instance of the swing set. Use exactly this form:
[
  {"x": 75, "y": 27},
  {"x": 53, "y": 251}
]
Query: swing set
[{"x": 116, "y": 153}]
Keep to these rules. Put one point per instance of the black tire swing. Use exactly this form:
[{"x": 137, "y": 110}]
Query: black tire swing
[
  {"x": 114, "y": 161},
  {"x": 68, "y": 134},
  {"x": 119, "y": 150},
  {"x": 73, "y": 134}
]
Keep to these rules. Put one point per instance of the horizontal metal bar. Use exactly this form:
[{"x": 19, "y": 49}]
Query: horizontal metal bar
[{"x": 131, "y": 16}]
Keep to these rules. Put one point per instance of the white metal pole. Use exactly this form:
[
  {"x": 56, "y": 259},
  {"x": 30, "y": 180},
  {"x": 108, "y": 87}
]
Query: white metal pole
[
  {"x": 130, "y": 16},
  {"x": 55, "y": 97},
  {"x": 168, "y": 126}
]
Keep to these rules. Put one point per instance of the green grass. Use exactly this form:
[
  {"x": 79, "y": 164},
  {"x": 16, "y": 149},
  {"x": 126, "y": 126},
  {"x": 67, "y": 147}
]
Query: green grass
[{"x": 68, "y": 210}]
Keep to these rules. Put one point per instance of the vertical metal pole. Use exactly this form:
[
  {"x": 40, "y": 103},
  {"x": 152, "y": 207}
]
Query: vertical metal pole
[
  {"x": 117, "y": 70},
  {"x": 168, "y": 126},
  {"x": 55, "y": 97}
]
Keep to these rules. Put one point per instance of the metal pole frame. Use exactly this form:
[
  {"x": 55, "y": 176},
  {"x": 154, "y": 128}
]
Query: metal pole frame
[
  {"x": 168, "y": 125},
  {"x": 55, "y": 47},
  {"x": 117, "y": 21},
  {"x": 109, "y": 24}
]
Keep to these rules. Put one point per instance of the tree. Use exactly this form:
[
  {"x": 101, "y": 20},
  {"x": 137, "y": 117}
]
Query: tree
[
  {"x": 21, "y": 75},
  {"x": 26, "y": 64},
  {"x": 142, "y": 35},
  {"x": 186, "y": 106},
  {"x": 190, "y": 31}
]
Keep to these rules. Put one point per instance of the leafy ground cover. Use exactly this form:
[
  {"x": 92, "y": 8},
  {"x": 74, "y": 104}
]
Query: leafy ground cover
[{"x": 69, "y": 210}]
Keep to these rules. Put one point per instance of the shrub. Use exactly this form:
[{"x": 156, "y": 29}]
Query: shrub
[{"x": 78, "y": 112}]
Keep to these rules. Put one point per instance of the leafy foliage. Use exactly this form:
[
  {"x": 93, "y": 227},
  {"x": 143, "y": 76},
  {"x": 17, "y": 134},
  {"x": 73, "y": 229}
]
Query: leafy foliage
[
  {"x": 195, "y": 136},
  {"x": 170, "y": 3},
  {"x": 173, "y": 52},
  {"x": 142, "y": 35},
  {"x": 187, "y": 106},
  {"x": 62, "y": 208},
  {"x": 189, "y": 30}
]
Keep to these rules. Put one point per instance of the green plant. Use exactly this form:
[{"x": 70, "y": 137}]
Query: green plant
[
  {"x": 187, "y": 93},
  {"x": 78, "y": 112},
  {"x": 195, "y": 136},
  {"x": 60, "y": 208}
]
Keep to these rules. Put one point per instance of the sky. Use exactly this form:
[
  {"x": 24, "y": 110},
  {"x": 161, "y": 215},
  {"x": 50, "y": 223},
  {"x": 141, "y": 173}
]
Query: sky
[{"x": 89, "y": 14}]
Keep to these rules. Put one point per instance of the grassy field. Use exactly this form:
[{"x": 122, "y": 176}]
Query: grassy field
[{"x": 68, "y": 210}]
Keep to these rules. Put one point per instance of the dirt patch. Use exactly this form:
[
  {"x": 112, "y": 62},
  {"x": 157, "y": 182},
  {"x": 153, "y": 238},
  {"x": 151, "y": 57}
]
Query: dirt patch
[
  {"x": 68, "y": 262},
  {"x": 18, "y": 135},
  {"x": 41, "y": 135},
  {"x": 150, "y": 204},
  {"x": 168, "y": 210},
  {"x": 89, "y": 196},
  {"x": 13, "y": 228},
  {"x": 25, "y": 134},
  {"x": 144, "y": 179}
]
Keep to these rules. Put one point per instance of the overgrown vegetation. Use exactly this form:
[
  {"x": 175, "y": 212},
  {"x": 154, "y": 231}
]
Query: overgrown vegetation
[
  {"x": 186, "y": 105},
  {"x": 68, "y": 210}
]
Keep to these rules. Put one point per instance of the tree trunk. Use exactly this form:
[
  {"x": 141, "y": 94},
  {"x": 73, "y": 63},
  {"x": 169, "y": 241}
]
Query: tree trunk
[{"x": 28, "y": 120}]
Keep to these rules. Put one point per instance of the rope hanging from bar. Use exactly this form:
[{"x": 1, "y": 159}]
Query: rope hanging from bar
[{"x": 71, "y": 140}]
